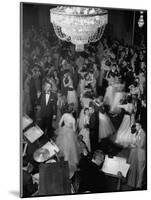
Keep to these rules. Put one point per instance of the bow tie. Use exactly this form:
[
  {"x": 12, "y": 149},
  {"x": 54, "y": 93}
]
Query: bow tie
[{"x": 47, "y": 93}]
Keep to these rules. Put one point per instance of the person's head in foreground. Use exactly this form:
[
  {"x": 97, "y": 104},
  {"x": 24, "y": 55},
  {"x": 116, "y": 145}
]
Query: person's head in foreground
[{"x": 98, "y": 157}]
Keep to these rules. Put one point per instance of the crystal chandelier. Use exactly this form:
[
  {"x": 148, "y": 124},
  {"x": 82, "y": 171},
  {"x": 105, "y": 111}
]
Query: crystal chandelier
[{"x": 78, "y": 25}]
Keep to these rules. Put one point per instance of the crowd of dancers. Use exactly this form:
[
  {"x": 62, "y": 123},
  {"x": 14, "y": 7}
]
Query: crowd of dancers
[{"x": 79, "y": 99}]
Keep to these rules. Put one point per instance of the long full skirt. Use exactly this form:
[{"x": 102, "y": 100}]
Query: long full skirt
[
  {"x": 68, "y": 144},
  {"x": 106, "y": 127},
  {"x": 117, "y": 101},
  {"x": 81, "y": 120},
  {"x": 109, "y": 95},
  {"x": 137, "y": 163},
  {"x": 124, "y": 136},
  {"x": 72, "y": 98},
  {"x": 81, "y": 87}
]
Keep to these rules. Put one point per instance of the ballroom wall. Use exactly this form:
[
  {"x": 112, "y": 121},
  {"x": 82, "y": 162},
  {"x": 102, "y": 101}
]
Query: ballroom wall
[{"x": 120, "y": 23}]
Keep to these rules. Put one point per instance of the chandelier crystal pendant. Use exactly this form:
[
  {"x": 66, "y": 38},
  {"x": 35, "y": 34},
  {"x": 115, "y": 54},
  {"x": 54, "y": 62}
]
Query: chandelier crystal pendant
[
  {"x": 141, "y": 20},
  {"x": 78, "y": 25}
]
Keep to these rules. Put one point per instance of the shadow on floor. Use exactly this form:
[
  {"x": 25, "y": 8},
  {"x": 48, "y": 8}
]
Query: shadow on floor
[{"x": 14, "y": 193}]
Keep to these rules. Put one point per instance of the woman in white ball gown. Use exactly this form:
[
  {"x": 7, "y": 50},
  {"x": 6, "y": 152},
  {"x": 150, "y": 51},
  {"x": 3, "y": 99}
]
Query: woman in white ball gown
[
  {"x": 118, "y": 97},
  {"x": 106, "y": 127},
  {"x": 71, "y": 94},
  {"x": 137, "y": 158},
  {"x": 110, "y": 90},
  {"x": 67, "y": 140},
  {"x": 81, "y": 85},
  {"x": 123, "y": 136}
]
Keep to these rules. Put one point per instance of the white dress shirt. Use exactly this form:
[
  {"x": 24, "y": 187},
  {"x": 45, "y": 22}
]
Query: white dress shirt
[{"x": 47, "y": 98}]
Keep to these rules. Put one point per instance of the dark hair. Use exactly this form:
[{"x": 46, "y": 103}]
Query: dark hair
[
  {"x": 66, "y": 79},
  {"x": 135, "y": 83},
  {"x": 98, "y": 153},
  {"x": 25, "y": 161},
  {"x": 88, "y": 94},
  {"x": 129, "y": 98},
  {"x": 114, "y": 65},
  {"x": 85, "y": 109},
  {"x": 91, "y": 104},
  {"x": 130, "y": 68},
  {"x": 108, "y": 63},
  {"x": 133, "y": 128},
  {"x": 102, "y": 109},
  {"x": 70, "y": 108},
  {"x": 83, "y": 69}
]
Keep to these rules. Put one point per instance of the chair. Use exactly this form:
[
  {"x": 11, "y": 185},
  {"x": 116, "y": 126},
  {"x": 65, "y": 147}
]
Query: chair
[
  {"x": 113, "y": 183},
  {"x": 54, "y": 179}
]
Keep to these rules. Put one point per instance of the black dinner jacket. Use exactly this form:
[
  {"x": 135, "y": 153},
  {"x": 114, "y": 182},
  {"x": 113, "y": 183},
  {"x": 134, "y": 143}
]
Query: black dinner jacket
[
  {"x": 94, "y": 122},
  {"x": 33, "y": 91},
  {"x": 92, "y": 179},
  {"x": 51, "y": 108},
  {"x": 28, "y": 187}
]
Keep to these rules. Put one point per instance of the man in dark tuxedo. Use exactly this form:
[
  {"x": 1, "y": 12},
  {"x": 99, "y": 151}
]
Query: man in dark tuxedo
[
  {"x": 47, "y": 109},
  {"x": 129, "y": 78},
  {"x": 93, "y": 127},
  {"x": 35, "y": 89},
  {"x": 92, "y": 179}
]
